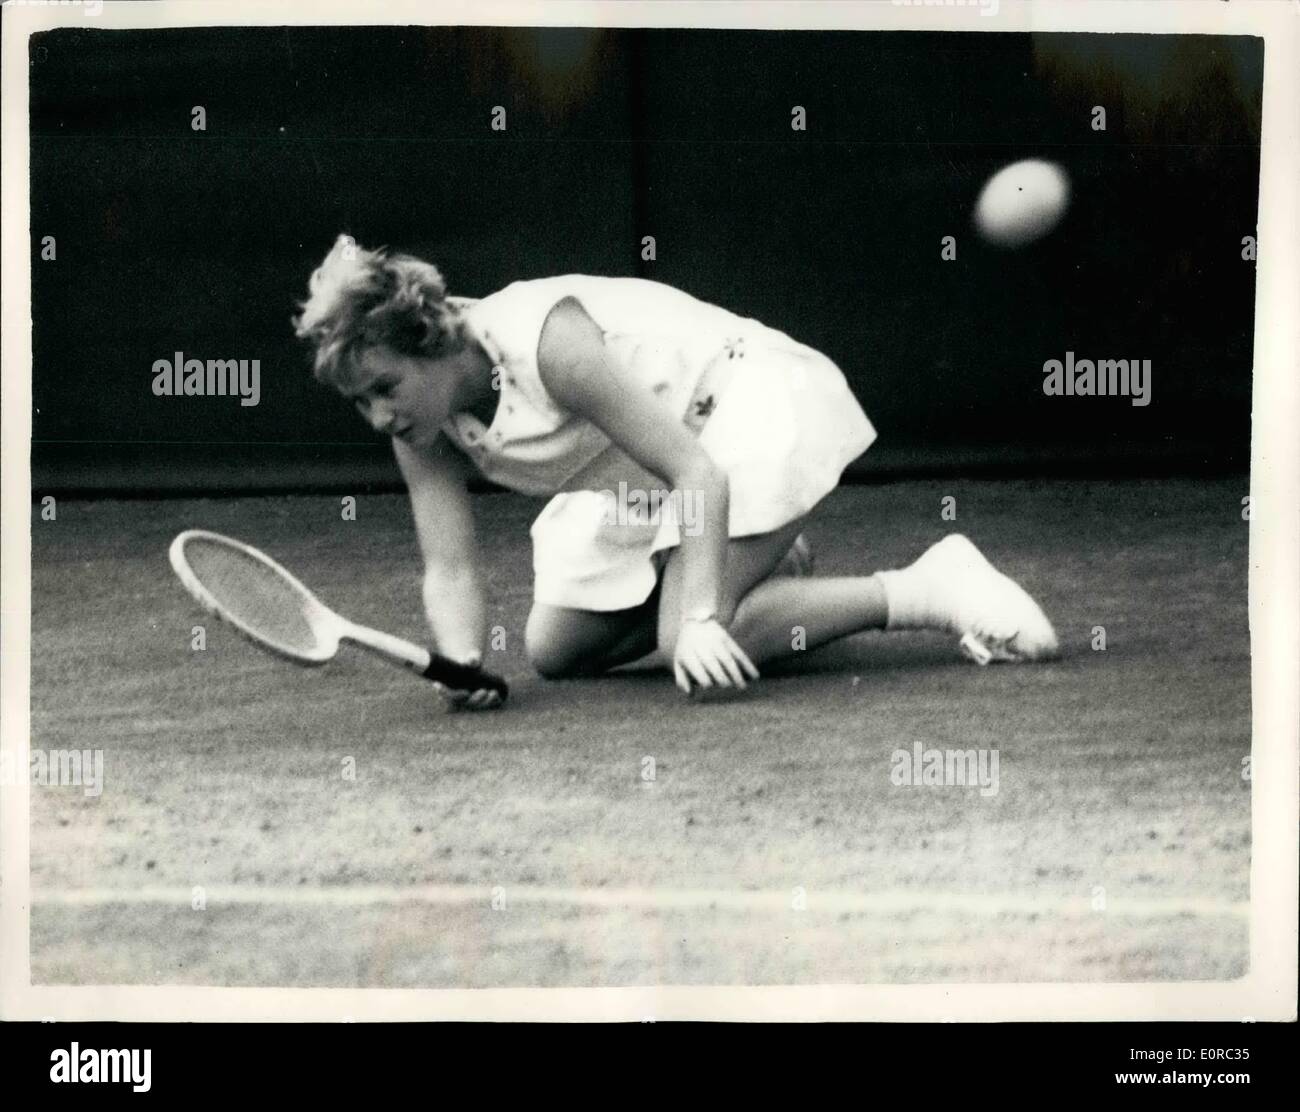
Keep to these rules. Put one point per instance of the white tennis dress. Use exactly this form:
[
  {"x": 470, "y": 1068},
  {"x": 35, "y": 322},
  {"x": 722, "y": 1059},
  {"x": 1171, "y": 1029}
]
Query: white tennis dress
[{"x": 774, "y": 414}]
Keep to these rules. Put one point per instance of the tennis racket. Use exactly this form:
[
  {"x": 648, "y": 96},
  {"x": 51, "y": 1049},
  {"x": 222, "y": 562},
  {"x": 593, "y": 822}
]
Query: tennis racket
[{"x": 263, "y": 601}]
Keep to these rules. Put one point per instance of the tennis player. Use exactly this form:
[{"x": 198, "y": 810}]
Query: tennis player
[{"x": 682, "y": 448}]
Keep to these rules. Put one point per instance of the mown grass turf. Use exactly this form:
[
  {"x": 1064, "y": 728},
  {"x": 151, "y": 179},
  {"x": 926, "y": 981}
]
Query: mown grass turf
[{"x": 1120, "y": 770}]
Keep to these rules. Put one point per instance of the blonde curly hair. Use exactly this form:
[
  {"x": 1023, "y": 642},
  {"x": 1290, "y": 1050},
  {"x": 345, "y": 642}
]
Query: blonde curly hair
[{"x": 361, "y": 299}]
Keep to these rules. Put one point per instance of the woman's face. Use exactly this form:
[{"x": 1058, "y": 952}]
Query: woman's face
[{"x": 408, "y": 397}]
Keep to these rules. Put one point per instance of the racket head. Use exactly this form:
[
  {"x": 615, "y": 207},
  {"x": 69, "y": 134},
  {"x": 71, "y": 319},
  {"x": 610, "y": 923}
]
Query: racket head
[{"x": 261, "y": 599}]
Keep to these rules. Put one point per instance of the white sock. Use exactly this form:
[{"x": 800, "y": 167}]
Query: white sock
[{"x": 909, "y": 596}]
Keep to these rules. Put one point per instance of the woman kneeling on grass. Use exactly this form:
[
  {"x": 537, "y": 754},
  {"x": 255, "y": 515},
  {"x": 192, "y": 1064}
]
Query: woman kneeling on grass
[{"x": 592, "y": 389}]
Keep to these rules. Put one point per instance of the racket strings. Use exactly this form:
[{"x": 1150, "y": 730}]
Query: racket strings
[{"x": 253, "y": 593}]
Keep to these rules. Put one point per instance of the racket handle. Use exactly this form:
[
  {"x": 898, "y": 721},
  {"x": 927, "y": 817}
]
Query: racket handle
[
  {"x": 457, "y": 677},
  {"x": 463, "y": 677},
  {"x": 438, "y": 669}
]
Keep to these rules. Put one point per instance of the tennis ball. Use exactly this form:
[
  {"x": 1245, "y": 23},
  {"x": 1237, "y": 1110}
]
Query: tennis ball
[{"x": 1022, "y": 202}]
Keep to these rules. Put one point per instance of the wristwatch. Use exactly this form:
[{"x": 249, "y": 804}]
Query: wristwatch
[{"x": 700, "y": 614}]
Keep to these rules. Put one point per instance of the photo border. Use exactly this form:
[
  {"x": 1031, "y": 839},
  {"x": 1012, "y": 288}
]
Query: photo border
[{"x": 1267, "y": 992}]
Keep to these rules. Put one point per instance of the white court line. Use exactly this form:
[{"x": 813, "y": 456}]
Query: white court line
[{"x": 892, "y": 902}]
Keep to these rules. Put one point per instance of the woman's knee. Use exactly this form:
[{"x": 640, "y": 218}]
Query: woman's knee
[
  {"x": 561, "y": 643},
  {"x": 550, "y": 649}
]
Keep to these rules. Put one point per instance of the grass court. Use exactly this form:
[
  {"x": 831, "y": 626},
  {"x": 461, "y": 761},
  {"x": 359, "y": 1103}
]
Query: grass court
[{"x": 526, "y": 848}]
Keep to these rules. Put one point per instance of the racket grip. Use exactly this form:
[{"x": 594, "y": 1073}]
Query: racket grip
[{"x": 463, "y": 677}]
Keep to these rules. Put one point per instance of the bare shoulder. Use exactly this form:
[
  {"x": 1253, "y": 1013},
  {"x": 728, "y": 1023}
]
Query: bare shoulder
[{"x": 568, "y": 342}]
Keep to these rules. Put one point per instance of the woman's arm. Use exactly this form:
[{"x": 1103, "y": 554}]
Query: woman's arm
[
  {"x": 452, "y": 589},
  {"x": 572, "y": 360},
  {"x": 574, "y": 367}
]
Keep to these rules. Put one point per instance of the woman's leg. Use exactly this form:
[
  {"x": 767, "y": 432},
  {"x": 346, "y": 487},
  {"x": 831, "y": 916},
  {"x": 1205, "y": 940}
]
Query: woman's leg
[
  {"x": 562, "y": 642},
  {"x": 952, "y": 587},
  {"x": 770, "y": 616}
]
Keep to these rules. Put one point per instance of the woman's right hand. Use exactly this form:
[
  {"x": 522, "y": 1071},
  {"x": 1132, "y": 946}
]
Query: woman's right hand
[
  {"x": 488, "y": 697},
  {"x": 483, "y": 699}
]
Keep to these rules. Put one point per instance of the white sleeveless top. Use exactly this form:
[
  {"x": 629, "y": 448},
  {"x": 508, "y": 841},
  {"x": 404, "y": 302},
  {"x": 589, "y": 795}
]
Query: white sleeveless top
[
  {"x": 775, "y": 415},
  {"x": 675, "y": 346}
]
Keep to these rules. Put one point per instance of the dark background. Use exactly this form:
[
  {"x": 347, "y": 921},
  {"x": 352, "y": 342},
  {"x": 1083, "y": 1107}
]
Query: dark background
[{"x": 170, "y": 239}]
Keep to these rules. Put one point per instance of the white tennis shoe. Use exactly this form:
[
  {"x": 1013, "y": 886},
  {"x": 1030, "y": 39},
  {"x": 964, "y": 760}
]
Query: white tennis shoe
[{"x": 997, "y": 619}]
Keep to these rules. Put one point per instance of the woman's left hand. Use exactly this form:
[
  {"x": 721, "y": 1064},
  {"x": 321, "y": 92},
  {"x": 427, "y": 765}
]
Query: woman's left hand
[{"x": 705, "y": 655}]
